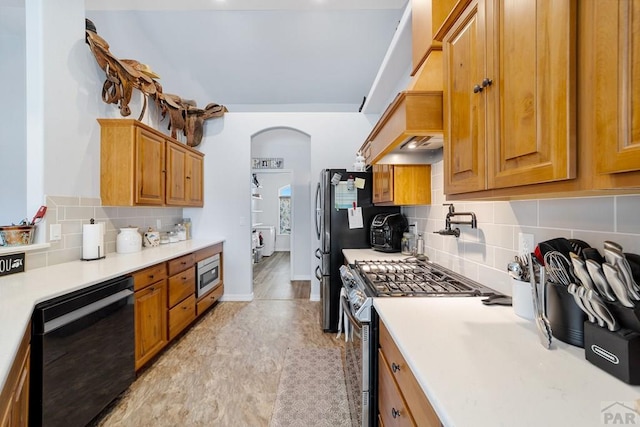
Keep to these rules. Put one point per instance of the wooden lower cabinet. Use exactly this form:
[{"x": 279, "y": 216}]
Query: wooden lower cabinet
[
  {"x": 209, "y": 299},
  {"x": 401, "y": 401},
  {"x": 150, "y": 321},
  {"x": 14, "y": 397},
  {"x": 181, "y": 316}
]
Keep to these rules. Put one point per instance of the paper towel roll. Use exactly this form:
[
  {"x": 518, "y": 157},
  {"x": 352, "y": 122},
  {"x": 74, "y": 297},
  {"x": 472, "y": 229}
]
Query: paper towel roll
[{"x": 93, "y": 241}]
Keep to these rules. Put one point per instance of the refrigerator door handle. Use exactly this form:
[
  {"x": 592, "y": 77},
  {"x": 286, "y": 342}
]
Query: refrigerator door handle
[
  {"x": 319, "y": 274},
  {"x": 318, "y": 210},
  {"x": 318, "y": 253}
]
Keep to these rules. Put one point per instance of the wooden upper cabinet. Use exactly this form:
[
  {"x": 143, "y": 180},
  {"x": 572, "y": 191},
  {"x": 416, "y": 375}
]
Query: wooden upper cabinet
[
  {"x": 510, "y": 104},
  {"x": 150, "y": 168},
  {"x": 401, "y": 185},
  {"x": 616, "y": 85},
  {"x": 422, "y": 33},
  {"x": 141, "y": 166}
]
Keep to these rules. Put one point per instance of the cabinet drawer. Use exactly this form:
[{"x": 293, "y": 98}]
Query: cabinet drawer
[
  {"x": 182, "y": 285},
  {"x": 180, "y": 264},
  {"x": 181, "y": 315},
  {"x": 144, "y": 278},
  {"x": 417, "y": 402},
  {"x": 208, "y": 252},
  {"x": 392, "y": 407},
  {"x": 208, "y": 300}
]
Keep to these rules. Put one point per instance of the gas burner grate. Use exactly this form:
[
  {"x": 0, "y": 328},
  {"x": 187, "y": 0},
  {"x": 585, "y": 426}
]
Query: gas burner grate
[{"x": 416, "y": 278}]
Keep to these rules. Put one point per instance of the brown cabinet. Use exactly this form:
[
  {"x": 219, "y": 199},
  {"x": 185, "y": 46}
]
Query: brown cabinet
[
  {"x": 422, "y": 21},
  {"x": 140, "y": 166},
  {"x": 150, "y": 312},
  {"x": 182, "y": 287},
  {"x": 401, "y": 185},
  {"x": 14, "y": 397},
  {"x": 610, "y": 90},
  {"x": 510, "y": 104},
  {"x": 401, "y": 401}
]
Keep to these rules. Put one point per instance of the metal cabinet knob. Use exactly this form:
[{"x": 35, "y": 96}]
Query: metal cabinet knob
[
  {"x": 395, "y": 367},
  {"x": 477, "y": 89},
  {"x": 487, "y": 82},
  {"x": 395, "y": 413}
]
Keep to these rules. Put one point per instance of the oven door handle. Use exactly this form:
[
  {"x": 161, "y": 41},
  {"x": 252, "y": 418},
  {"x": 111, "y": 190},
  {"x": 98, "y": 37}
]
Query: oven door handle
[{"x": 347, "y": 309}]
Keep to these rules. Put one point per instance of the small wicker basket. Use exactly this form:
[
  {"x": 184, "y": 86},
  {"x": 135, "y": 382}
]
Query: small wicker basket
[{"x": 17, "y": 235}]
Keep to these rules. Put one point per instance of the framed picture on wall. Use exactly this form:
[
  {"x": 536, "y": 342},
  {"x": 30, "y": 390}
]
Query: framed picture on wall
[{"x": 267, "y": 163}]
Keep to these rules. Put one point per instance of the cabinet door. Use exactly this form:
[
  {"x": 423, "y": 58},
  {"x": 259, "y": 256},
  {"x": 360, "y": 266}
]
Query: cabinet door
[
  {"x": 382, "y": 183},
  {"x": 412, "y": 185},
  {"x": 150, "y": 321},
  {"x": 194, "y": 179},
  {"x": 20, "y": 410},
  {"x": 616, "y": 85},
  {"x": 531, "y": 101},
  {"x": 176, "y": 173},
  {"x": 393, "y": 409},
  {"x": 150, "y": 168},
  {"x": 465, "y": 136}
]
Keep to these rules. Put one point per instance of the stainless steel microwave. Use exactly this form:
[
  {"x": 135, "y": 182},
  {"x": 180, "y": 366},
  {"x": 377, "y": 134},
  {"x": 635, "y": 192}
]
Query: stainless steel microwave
[{"x": 208, "y": 271}]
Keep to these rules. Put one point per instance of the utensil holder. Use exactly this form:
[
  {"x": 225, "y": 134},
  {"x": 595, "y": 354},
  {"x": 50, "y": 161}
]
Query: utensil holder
[
  {"x": 617, "y": 353},
  {"x": 564, "y": 315},
  {"x": 521, "y": 299}
]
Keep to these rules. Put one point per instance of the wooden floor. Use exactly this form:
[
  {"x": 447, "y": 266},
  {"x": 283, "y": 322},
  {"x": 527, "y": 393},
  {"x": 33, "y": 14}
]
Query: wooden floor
[
  {"x": 271, "y": 279},
  {"x": 225, "y": 370}
]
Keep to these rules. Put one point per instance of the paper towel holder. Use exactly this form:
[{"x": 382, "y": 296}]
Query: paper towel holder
[{"x": 98, "y": 243}]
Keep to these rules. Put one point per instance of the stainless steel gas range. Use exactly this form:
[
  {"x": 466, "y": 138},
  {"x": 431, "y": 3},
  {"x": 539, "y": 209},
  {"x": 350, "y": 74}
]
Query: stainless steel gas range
[{"x": 366, "y": 280}]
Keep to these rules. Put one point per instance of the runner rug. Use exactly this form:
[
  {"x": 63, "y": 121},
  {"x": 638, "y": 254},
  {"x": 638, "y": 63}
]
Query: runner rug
[{"x": 312, "y": 390}]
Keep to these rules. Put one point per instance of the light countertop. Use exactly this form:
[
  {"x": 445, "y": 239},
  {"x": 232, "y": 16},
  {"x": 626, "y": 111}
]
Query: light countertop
[
  {"x": 19, "y": 293},
  {"x": 484, "y": 366}
]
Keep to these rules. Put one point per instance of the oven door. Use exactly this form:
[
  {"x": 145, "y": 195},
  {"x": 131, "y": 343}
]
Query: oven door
[
  {"x": 357, "y": 368},
  {"x": 208, "y": 275}
]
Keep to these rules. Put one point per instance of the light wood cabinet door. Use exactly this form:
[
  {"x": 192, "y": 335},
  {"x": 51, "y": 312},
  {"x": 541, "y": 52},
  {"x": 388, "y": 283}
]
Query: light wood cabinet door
[
  {"x": 510, "y": 103},
  {"x": 464, "y": 109},
  {"x": 20, "y": 410},
  {"x": 531, "y": 103},
  {"x": 194, "y": 179},
  {"x": 177, "y": 171},
  {"x": 150, "y": 321},
  {"x": 150, "y": 168},
  {"x": 391, "y": 405},
  {"x": 616, "y": 85},
  {"x": 382, "y": 183}
]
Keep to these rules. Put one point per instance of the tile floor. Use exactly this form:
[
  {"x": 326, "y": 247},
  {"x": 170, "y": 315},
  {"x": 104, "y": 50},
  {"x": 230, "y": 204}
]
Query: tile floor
[{"x": 225, "y": 370}]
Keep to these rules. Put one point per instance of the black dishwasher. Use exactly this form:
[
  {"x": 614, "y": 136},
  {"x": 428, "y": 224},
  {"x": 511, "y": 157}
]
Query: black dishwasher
[{"x": 82, "y": 353}]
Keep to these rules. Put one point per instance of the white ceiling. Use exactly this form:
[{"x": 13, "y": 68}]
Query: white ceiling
[{"x": 255, "y": 55}]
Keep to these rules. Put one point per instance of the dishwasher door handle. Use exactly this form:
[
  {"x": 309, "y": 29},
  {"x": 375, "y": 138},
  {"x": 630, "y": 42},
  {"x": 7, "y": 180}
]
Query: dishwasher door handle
[{"x": 64, "y": 320}]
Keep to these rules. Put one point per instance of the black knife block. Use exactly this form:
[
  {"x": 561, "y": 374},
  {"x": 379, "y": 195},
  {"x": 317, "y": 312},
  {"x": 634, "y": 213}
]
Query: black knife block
[
  {"x": 565, "y": 317},
  {"x": 629, "y": 318},
  {"x": 617, "y": 353}
]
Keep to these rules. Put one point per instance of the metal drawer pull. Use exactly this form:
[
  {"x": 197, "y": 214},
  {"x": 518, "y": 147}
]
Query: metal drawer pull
[
  {"x": 395, "y": 413},
  {"x": 395, "y": 367}
]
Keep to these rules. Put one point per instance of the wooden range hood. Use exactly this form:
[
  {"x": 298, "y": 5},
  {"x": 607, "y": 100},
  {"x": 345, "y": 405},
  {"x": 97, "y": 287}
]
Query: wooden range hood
[{"x": 412, "y": 113}]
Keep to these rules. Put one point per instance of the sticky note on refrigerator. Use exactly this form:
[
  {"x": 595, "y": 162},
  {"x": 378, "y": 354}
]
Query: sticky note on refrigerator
[
  {"x": 359, "y": 183},
  {"x": 355, "y": 217}
]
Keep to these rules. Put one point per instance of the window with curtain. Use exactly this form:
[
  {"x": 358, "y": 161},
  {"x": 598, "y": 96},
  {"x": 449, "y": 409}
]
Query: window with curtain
[{"x": 284, "y": 197}]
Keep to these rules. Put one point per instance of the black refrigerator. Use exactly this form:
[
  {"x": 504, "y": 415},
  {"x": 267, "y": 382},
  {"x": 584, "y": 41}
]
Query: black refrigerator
[{"x": 336, "y": 191}]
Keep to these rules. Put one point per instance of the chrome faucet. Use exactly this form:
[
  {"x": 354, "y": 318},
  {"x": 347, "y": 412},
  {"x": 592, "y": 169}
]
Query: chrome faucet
[{"x": 448, "y": 231}]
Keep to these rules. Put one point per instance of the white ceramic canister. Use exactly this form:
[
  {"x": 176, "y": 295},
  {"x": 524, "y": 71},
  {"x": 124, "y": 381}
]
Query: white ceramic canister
[{"x": 128, "y": 240}]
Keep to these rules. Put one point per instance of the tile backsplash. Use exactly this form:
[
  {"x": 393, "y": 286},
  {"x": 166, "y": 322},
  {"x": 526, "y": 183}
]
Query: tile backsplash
[
  {"x": 483, "y": 253},
  {"x": 72, "y": 212}
]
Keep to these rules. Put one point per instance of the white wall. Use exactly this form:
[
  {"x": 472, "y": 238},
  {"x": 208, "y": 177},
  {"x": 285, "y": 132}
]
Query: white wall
[
  {"x": 271, "y": 183},
  {"x": 335, "y": 137},
  {"x": 13, "y": 188},
  {"x": 482, "y": 254}
]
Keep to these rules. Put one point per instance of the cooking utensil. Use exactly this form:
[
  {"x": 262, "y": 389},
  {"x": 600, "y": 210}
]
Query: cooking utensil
[
  {"x": 592, "y": 253},
  {"x": 634, "y": 262},
  {"x": 578, "y": 246},
  {"x": 608, "y": 244},
  {"x": 542, "y": 324},
  {"x": 573, "y": 290},
  {"x": 39, "y": 215},
  {"x": 580, "y": 269},
  {"x": 603, "y": 311},
  {"x": 597, "y": 275},
  {"x": 515, "y": 270},
  {"x": 582, "y": 293},
  {"x": 617, "y": 286},
  {"x": 618, "y": 259},
  {"x": 558, "y": 268}
]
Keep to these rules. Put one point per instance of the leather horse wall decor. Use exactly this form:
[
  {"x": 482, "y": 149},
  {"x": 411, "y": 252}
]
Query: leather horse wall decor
[{"x": 124, "y": 75}]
